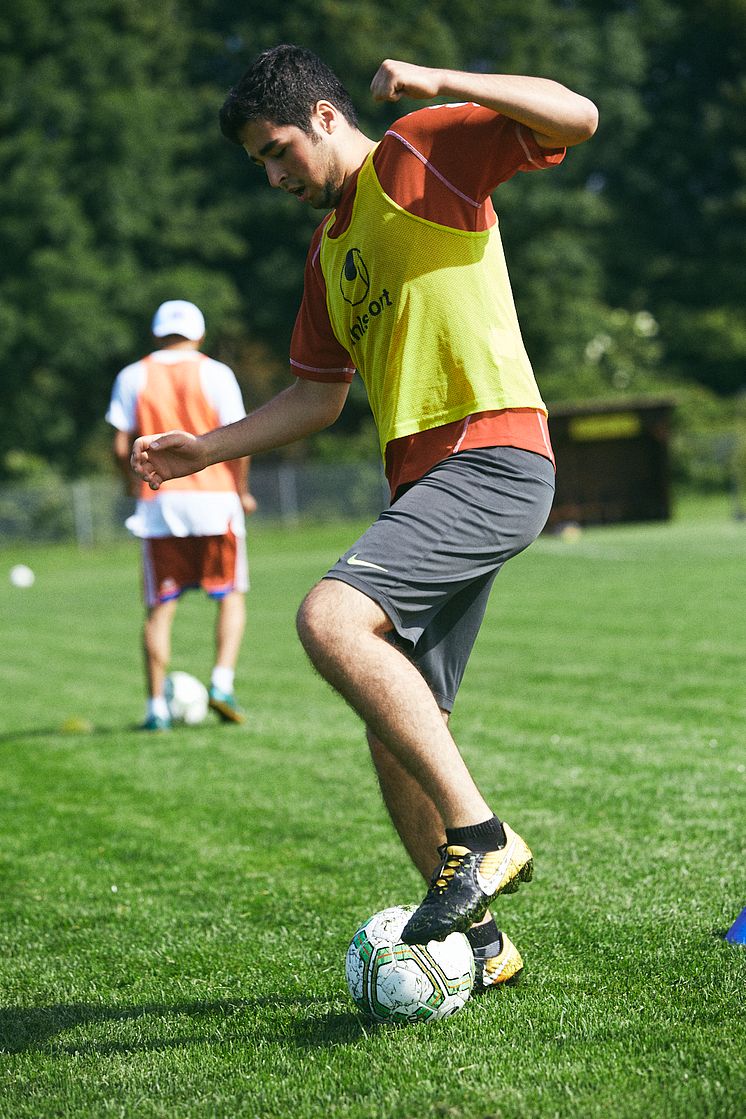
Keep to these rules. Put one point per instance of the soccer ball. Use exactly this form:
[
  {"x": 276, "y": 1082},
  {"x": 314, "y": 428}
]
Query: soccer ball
[
  {"x": 395, "y": 982},
  {"x": 22, "y": 576},
  {"x": 187, "y": 698}
]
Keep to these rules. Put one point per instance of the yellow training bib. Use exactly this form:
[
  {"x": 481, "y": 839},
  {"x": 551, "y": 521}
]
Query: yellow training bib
[{"x": 426, "y": 313}]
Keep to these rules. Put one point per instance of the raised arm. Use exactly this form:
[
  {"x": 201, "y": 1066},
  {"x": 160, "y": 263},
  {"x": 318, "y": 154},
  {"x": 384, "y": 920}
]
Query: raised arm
[
  {"x": 301, "y": 409},
  {"x": 557, "y": 117}
]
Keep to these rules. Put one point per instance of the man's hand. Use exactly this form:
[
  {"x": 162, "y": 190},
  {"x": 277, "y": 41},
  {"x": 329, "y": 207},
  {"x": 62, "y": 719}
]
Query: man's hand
[
  {"x": 557, "y": 117},
  {"x": 171, "y": 454},
  {"x": 249, "y": 504},
  {"x": 402, "y": 79}
]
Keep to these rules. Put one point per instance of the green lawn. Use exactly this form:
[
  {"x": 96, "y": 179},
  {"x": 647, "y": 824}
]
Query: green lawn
[{"x": 175, "y": 909}]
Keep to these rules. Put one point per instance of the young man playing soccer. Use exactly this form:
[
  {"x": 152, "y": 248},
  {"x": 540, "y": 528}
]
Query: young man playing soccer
[{"x": 406, "y": 282}]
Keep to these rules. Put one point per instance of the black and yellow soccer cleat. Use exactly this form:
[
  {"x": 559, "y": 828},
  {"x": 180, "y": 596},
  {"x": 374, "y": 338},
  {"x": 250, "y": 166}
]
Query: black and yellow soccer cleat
[
  {"x": 464, "y": 885},
  {"x": 496, "y": 964}
]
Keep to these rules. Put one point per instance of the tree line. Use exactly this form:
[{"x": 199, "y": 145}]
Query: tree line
[{"x": 117, "y": 192}]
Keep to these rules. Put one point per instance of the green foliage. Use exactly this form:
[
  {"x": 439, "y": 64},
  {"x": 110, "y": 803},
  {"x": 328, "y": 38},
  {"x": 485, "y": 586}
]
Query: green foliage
[
  {"x": 117, "y": 191},
  {"x": 673, "y": 169},
  {"x": 105, "y": 207}
]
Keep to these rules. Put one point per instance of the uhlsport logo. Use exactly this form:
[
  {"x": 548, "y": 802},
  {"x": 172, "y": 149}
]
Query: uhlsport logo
[{"x": 354, "y": 283}]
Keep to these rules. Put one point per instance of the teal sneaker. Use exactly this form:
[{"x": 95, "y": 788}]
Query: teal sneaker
[
  {"x": 155, "y": 722},
  {"x": 224, "y": 704}
]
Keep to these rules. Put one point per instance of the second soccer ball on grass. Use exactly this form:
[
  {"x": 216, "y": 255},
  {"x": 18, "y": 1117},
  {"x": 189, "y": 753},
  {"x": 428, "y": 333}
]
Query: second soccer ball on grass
[{"x": 187, "y": 698}]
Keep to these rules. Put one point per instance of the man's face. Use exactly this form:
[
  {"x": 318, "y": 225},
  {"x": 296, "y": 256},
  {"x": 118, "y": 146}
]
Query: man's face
[{"x": 300, "y": 163}]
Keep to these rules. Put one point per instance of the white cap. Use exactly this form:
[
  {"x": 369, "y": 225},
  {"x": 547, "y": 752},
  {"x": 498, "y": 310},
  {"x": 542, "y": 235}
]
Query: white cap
[{"x": 179, "y": 317}]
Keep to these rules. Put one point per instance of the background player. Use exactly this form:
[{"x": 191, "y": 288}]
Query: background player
[{"x": 193, "y": 531}]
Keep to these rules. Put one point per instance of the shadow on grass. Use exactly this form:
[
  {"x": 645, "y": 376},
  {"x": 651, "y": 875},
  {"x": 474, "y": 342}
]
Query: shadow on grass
[
  {"x": 316, "y": 1031},
  {"x": 23, "y": 1029},
  {"x": 73, "y": 732},
  {"x": 10, "y": 738}
]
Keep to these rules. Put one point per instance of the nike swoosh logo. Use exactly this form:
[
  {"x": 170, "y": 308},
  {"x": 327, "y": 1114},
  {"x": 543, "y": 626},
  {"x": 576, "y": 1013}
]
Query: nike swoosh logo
[
  {"x": 488, "y": 885},
  {"x": 353, "y": 561}
]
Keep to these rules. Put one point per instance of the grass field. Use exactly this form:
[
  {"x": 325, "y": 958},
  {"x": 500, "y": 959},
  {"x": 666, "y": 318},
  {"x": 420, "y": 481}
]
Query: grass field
[{"x": 175, "y": 909}]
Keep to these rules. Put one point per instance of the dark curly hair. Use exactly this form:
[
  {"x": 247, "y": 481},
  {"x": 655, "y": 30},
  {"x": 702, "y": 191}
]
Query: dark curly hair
[{"x": 282, "y": 85}]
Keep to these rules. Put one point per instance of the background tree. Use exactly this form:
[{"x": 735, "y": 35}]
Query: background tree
[
  {"x": 105, "y": 206},
  {"x": 117, "y": 191},
  {"x": 676, "y": 181}
]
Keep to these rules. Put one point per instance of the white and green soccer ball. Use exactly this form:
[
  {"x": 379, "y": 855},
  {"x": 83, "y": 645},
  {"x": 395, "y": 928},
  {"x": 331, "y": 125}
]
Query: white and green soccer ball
[
  {"x": 187, "y": 698},
  {"x": 395, "y": 982}
]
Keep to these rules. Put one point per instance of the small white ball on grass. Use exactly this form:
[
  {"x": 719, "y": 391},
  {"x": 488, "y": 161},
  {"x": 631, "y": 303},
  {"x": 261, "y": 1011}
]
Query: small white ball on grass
[{"x": 22, "y": 576}]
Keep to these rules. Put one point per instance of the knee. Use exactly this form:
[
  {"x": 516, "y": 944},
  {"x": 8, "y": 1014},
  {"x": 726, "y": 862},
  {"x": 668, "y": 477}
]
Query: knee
[
  {"x": 314, "y": 620},
  {"x": 156, "y": 633},
  {"x": 334, "y": 617}
]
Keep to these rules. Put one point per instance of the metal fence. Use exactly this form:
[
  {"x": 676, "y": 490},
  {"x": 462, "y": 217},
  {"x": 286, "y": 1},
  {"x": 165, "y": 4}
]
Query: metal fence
[{"x": 93, "y": 510}]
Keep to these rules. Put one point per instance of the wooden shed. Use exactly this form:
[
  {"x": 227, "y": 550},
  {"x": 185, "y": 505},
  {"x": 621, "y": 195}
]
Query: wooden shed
[{"x": 612, "y": 461}]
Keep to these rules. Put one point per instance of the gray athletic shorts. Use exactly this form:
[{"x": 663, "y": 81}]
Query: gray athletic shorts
[{"x": 430, "y": 559}]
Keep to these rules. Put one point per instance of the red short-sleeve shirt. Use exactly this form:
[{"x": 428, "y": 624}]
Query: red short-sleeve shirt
[{"x": 440, "y": 164}]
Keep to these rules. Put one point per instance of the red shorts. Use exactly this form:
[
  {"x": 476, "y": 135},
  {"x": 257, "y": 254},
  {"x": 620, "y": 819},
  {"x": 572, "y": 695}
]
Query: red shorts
[{"x": 174, "y": 564}]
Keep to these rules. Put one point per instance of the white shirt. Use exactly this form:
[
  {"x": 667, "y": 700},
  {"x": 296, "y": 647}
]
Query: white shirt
[{"x": 181, "y": 513}]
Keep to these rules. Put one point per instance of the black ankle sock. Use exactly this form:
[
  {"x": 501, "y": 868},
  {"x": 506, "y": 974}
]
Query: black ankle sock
[
  {"x": 480, "y": 936},
  {"x": 478, "y": 837}
]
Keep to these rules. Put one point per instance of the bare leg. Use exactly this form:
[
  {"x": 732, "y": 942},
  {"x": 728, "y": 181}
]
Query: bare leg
[
  {"x": 157, "y": 644},
  {"x": 229, "y": 629},
  {"x": 343, "y": 632},
  {"x": 413, "y": 814},
  {"x": 415, "y": 817}
]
